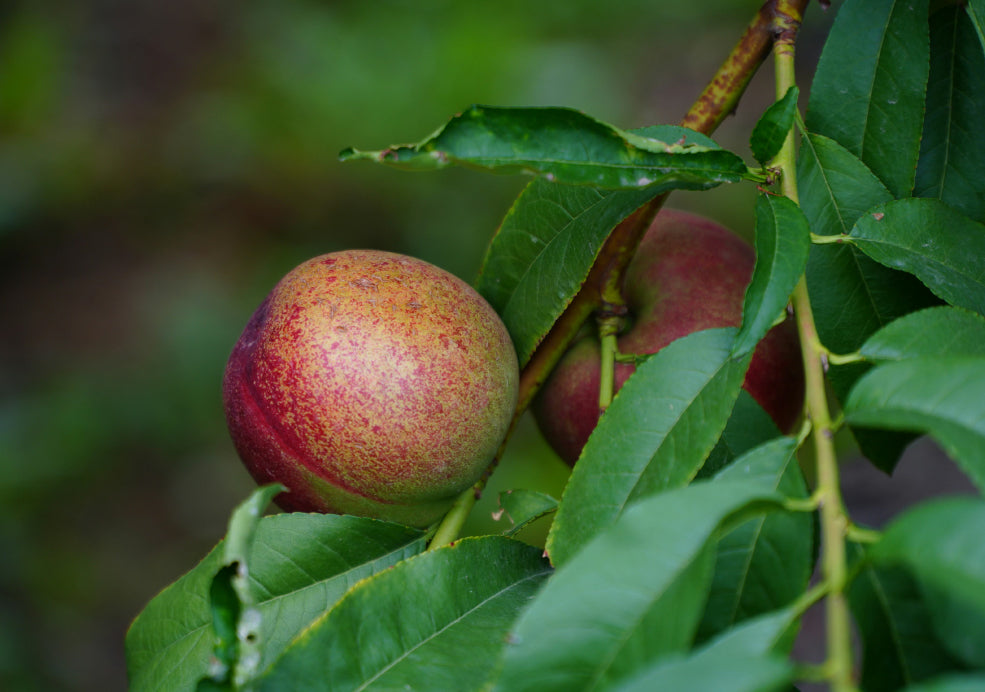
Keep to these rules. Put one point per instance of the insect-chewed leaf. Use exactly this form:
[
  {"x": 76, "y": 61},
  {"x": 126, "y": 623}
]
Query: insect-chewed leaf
[
  {"x": 633, "y": 594},
  {"x": 765, "y": 563},
  {"x": 566, "y": 146},
  {"x": 543, "y": 250},
  {"x": 434, "y": 622},
  {"x": 952, "y": 152},
  {"x": 300, "y": 564},
  {"x": 940, "y": 543},
  {"x": 772, "y": 128},
  {"x": 235, "y": 619},
  {"x": 869, "y": 88},
  {"x": 782, "y": 242},
  {"x": 938, "y": 331},
  {"x": 939, "y": 245},
  {"x": 896, "y": 629},
  {"x": 941, "y": 396},
  {"x": 656, "y": 434}
]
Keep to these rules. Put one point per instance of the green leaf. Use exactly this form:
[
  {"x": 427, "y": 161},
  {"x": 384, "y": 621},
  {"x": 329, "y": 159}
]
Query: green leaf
[
  {"x": 940, "y": 543},
  {"x": 764, "y": 563},
  {"x": 941, "y": 396},
  {"x": 782, "y": 242},
  {"x": 976, "y": 12},
  {"x": 564, "y": 145},
  {"x": 300, "y": 565},
  {"x": 939, "y": 331},
  {"x": 658, "y": 431},
  {"x": 956, "y": 682},
  {"x": 962, "y": 630},
  {"x": 869, "y": 89},
  {"x": 546, "y": 245},
  {"x": 434, "y": 622},
  {"x": 940, "y": 246},
  {"x": 760, "y": 635},
  {"x": 633, "y": 594},
  {"x": 851, "y": 295},
  {"x": 772, "y": 128},
  {"x": 748, "y": 426},
  {"x": 952, "y": 152},
  {"x": 235, "y": 617},
  {"x": 521, "y": 507},
  {"x": 711, "y": 670},
  {"x": 899, "y": 646},
  {"x": 543, "y": 251}
]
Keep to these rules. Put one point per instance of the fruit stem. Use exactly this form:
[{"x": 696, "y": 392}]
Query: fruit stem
[
  {"x": 609, "y": 322},
  {"x": 451, "y": 525},
  {"x": 834, "y": 522}
]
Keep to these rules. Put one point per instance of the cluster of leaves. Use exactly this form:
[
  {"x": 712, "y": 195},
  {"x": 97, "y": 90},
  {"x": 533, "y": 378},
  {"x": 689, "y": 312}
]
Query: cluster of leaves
[{"x": 681, "y": 550}]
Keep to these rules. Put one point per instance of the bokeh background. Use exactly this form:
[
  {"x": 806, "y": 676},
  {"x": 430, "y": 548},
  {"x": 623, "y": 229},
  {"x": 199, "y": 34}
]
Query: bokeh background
[{"x": 162, "y": 164}]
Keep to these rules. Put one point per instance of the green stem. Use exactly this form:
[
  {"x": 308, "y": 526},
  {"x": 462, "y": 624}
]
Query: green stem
[
  {"x": 451, "y": 525},
  {"x": 834, "y": 522},
  {"x": 830, "y": 239},
  {"x": 608, "y": 370}
]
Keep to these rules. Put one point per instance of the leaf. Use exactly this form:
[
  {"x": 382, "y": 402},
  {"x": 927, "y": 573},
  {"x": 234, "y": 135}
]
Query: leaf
[
  {"x": 851, "y": 295},
  {"x": 235, "y": 617},
  {"x": 782, "y": 242},
  {"x": 976, "y": 12},
  {"x": 543, "y": 251},
  {"x": 300, "y": 565},
  {"x": 956, "y": 682},
  {"x": 633, "y": 593},
  {"x": 748, "y": 426},
  {"x": 952, "y": 152},
  {"x": 760, "y": 635},
  {"x": 564, "y": 145},
  {"x": 894, "y": 622},
  {"x": 546, "y": 245},
  {"x": 658, "y": 431},
  {"x": 940, "y": 246},
  {"x": 710, "y": 670},
  {"x": 940, "y": 396},
  {"x": 434, "y": 622},
  {"x": 961, "y": 629},
  {"x": 521, "y": 507},
  {"x": 766, "y": 562},
  {"x": 869, "y": 88},
  {"x": 772, "y": 128},
  {"x": 939, "y": 331},
  {"x": 940, "y": 543}
]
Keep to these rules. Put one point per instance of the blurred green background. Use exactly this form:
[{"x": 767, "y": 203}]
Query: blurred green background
[{"x": 162, "y": 164}]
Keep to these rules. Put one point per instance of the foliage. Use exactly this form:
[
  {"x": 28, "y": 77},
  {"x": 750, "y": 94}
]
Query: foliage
[{"x": 679, "y": 556}]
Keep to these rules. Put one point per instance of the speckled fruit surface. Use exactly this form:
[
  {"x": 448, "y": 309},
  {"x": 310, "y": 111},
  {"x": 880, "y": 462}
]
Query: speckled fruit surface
[
  {"x": 371, "y": 383},
  {"x": 689, "y": 274}
]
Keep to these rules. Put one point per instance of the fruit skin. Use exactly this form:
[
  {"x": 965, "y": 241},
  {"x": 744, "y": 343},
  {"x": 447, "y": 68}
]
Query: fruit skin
[
  {"x": 371, "y": 383},
  {"x": 689, "y": 274}
]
